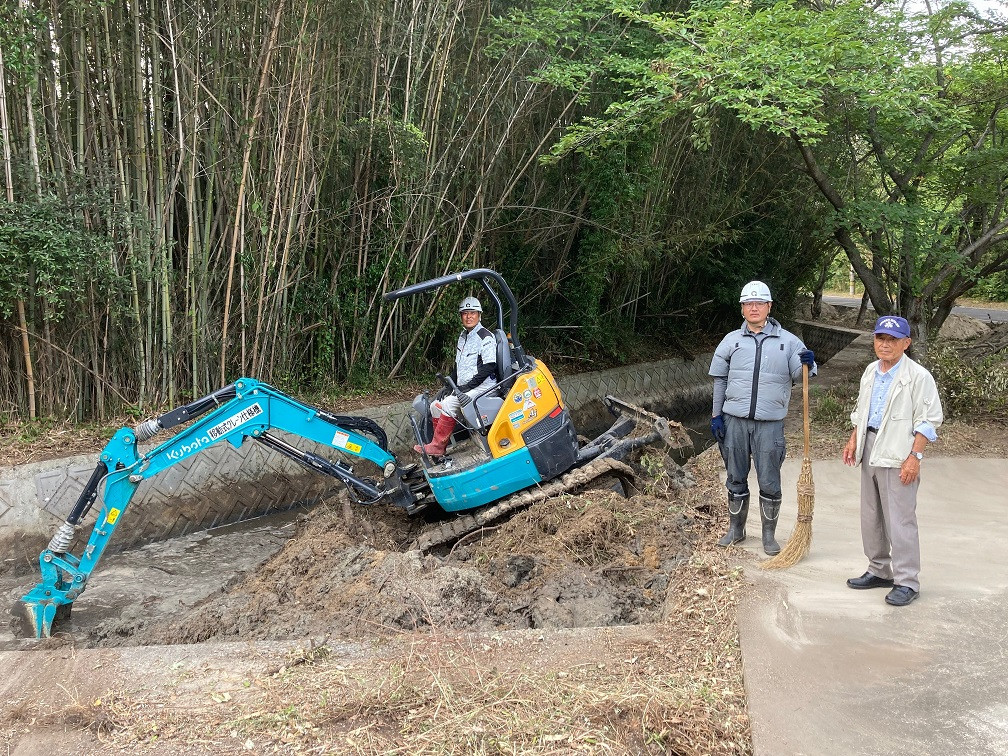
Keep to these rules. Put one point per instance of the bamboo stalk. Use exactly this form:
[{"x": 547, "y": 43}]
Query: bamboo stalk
[
  {"x": 242, "y": 185},
  {"x": 5, "y": 134}
]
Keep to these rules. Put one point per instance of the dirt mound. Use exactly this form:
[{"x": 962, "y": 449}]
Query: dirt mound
[
  {"x": 962, "y": 328},
  {"x": 993, "y": 341},
  {"x": 595, "y": 559},
  {"x": 848, "y": 317},
  {"x": 803, "y": 310}
]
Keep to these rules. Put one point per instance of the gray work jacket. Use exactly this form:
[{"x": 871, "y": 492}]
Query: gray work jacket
[
  {"x": 760, "y": 370},
  {"x": 475, "y": 353}
]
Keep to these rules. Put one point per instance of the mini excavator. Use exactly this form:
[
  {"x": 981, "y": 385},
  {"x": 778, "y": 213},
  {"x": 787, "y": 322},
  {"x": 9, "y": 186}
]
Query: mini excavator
[{"x": 517, "y": 444}]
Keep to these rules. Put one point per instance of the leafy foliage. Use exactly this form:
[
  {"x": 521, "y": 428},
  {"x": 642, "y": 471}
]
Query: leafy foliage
[
  {"x": 890, "y": 112},
  {"x": 970, "y": 386},
  {"x": 47, "y": 251},
  {"x": 673, "y": 224},
  {"x": 993, "y": 288}
]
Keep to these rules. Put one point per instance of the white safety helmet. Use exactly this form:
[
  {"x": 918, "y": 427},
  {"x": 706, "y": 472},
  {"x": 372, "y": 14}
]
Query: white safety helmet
[
  {"x": 755, "y": 291},
  {"x": 471, "y": 303}
]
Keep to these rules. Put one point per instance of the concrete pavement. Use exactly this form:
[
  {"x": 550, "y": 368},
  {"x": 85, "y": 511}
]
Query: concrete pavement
[{"x": 830, "y": 670}]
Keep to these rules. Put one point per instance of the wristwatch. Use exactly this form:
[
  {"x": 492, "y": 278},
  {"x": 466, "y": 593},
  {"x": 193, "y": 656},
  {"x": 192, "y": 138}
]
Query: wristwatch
[{"x": 919, "y": 455}]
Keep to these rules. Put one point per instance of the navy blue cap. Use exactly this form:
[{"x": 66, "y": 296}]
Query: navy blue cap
[{"x": 893, "y": 325}]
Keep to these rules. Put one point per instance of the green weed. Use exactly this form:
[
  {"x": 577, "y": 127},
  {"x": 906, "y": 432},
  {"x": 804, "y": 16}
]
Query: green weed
[
  {"x": 970, "y": 386},
  {"x": 831, "y": 406}
]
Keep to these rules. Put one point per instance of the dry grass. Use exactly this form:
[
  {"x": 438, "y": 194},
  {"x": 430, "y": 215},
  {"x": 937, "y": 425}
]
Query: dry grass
[
  {"x": 675, "y": 687},
  {"x": 23, "y": 442}
]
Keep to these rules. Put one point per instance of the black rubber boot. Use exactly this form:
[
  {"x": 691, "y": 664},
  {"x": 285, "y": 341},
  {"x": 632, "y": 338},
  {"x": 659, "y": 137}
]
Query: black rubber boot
[
  {"x": 738, "y": 513},
  {"x": 769, "y": 512}
]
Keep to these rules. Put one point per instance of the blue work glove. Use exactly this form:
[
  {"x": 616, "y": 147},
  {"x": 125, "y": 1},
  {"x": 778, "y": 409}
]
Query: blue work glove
[
  {"x": 717, "y": 429},
  {"x": 807, "y": 357}
]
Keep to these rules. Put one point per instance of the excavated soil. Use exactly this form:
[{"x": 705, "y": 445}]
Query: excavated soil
[
  {"x": 595, "y": 559},
  {"x": 324, "y": 633}
]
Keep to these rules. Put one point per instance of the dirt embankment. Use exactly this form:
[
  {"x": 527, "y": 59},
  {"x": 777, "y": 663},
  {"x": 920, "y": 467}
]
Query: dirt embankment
[{"x": 596, "y": 559}]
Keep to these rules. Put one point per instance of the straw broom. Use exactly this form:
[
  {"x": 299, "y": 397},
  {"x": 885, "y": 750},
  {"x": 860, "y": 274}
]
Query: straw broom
[{"x": 798, "y": 544}]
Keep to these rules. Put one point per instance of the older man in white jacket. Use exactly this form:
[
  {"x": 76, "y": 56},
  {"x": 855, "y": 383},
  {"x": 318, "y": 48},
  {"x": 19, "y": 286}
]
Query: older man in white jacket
[{"x": 897, "y": 414}]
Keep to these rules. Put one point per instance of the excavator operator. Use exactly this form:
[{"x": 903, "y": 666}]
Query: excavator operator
[{"x": 475, "y": 370}]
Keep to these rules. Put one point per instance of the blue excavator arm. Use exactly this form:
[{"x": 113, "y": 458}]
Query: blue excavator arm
[{"x": 244, "y": 409}]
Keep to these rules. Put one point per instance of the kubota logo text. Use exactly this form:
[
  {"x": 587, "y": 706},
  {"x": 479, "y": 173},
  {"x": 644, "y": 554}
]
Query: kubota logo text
[{"x": 216, "y": 432}]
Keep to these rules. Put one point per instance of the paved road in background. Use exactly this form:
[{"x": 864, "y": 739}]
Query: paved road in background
[{"x": 981, "y": 313}]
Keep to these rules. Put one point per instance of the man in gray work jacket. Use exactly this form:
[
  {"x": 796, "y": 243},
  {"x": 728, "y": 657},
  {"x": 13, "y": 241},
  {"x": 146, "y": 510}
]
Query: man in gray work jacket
[
  {"x": 475, "y": 371},
  {"x": 753, "y": 370}
]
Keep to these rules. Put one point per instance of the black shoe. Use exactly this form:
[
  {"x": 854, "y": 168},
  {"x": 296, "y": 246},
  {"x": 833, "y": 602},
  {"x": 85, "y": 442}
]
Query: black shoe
[
  {"x": 900, "y": 595},
  {"x": 869, "y": 581}
]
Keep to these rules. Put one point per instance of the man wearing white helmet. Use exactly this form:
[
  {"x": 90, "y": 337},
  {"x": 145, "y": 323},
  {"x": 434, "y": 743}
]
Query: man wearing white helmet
[
  {"x": 475, "y": 371},
  {"x": 754, "y": 368}
]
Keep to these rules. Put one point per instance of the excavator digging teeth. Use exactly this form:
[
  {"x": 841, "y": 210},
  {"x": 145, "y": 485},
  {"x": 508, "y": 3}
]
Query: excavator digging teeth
[
  {"x": 35, "y": 620},
  {"x": 672, "y": 433},
  {"x": 576, "y": 479},
  {"x": 22, "y": 623}
]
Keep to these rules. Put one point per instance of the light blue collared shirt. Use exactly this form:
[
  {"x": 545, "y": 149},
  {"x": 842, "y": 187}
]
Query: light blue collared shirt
[{"x": 880, "y": 393}]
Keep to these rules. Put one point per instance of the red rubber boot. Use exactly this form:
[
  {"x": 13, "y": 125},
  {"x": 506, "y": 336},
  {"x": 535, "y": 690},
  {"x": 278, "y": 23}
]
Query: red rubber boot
[
  {"x": 443, "y": 428},
  {"x": 435, "y": 422}
]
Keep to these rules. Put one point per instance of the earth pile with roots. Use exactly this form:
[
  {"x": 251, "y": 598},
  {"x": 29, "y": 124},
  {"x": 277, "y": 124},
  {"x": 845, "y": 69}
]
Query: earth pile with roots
[{"x": 603, "y": 557}]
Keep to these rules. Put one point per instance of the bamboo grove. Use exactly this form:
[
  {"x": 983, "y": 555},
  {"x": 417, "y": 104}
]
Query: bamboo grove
[{"x": 197, "y": 191}]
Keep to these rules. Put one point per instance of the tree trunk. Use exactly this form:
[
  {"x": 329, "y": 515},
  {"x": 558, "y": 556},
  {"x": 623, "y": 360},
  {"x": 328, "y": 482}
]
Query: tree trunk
[
  {"x": 5, "y": 134},
  {"x": 817, "y": 289}
]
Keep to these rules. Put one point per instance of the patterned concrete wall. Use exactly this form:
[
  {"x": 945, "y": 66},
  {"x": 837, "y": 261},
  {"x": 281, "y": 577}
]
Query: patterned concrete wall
[
  {"x": 222, "y": 484},
  {"x": 826, "y": 341},
  {"x": 679, "y": 387},
  {"x": 218, "y": 486}
]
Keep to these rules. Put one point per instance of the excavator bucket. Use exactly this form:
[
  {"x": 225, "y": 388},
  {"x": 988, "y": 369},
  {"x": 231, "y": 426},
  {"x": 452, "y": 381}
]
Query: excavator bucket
[
  {"x": 669, "y": 431},
  {"x": 35, "y": 618}
]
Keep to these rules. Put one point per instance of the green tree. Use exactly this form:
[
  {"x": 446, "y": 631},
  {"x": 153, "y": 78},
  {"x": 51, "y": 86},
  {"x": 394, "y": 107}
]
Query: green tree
[
  {"x": 674, "y": 210},
  {"x": 899, "y": 120},
  {"x": 46, "y": 248}
]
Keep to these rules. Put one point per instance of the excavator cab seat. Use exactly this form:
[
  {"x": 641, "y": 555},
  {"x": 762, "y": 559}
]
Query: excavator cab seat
[{"x": 506, "y": 365}]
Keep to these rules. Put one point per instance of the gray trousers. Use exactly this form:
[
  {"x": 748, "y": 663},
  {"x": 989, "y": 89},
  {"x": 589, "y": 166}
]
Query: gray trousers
[
  {"x": 762, "y": 442},
  {"x": 450, "y": 406},
  {"x": 889, "y": 522}
]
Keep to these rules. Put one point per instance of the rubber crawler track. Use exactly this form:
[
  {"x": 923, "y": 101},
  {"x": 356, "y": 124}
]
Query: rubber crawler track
[{"x": 454, "y": 529}]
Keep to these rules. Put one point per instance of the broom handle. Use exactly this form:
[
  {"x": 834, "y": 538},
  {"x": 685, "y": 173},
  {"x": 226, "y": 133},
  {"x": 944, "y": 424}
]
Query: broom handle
[{"x": 805, "y": 372}]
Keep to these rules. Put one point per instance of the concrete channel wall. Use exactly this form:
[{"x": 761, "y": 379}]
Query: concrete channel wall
[
  {"x": 825, "y": 340},
  {"x": 224, "y": 485}
]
